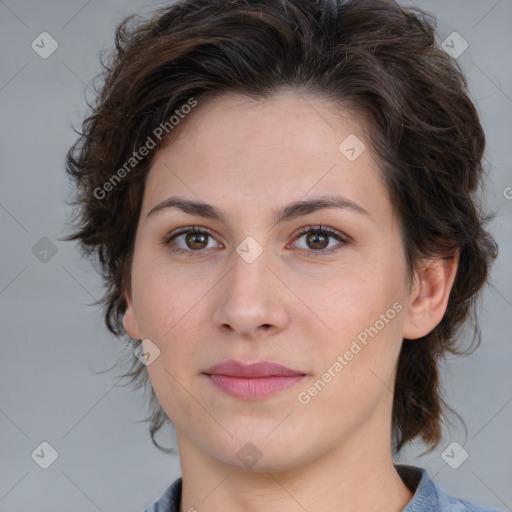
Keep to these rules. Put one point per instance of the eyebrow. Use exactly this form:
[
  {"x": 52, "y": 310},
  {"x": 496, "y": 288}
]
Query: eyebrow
[{"x": 284, "y": 214}]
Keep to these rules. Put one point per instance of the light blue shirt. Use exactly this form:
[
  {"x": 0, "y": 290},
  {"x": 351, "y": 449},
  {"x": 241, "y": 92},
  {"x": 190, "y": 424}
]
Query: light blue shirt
[{"x": 428, "y": 495}]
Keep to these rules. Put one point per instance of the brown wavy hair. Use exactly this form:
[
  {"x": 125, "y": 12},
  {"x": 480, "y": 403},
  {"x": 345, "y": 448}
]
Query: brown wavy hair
[{"x": 381, "y": 59}]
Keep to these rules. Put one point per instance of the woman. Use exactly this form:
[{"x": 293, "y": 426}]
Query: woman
[{"x": 282, "y": 198}]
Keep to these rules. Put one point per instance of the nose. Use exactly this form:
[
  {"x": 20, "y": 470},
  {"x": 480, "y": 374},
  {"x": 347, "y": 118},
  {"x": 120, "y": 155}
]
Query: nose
[{"x": 250, "y": 299}]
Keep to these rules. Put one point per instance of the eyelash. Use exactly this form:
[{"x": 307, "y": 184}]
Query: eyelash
[{"x": 166, "y": 241}]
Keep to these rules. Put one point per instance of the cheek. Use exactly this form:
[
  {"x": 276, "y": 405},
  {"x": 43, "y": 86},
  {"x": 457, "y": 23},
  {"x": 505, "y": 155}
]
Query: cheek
[
  {"x": 170, "y": 323},
  {"x": 364, "y": 314},
  {"x": 355, "y": 372},
  {"x": 165, "y": 296},
  {"x": 351, "y": 302},
  {"x": 176, "y": 393}
]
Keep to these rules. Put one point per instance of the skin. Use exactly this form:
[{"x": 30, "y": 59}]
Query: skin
[{"x": 248, "y": 158}]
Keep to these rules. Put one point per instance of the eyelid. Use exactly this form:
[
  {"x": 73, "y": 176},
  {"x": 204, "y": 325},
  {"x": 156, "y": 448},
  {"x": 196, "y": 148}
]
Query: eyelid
[
  {"x": 166, "y": 240},
  {"x": 330, "y": 232},
  {"x": 321, "y": 229}
]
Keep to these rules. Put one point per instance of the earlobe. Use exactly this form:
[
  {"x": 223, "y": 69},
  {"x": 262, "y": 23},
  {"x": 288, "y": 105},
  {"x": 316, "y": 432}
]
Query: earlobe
[
  {"x": 429, "y": 297},
  {"x": 130, "y": 323}
]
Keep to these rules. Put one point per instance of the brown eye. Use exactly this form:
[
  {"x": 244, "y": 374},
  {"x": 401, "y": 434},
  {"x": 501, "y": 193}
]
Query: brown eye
[
  {"x": 196, "y": 241},
  {"x": 191, "y": 241},
  {"x": 317, "y": 240}
]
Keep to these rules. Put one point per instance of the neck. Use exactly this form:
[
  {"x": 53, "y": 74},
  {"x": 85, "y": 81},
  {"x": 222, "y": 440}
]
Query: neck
[{"x": 358, "y": 475}]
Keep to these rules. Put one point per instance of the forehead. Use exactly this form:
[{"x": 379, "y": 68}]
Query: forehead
[
  {"x": 230, "y": 123},
  {"x": 236, "y": 150}
]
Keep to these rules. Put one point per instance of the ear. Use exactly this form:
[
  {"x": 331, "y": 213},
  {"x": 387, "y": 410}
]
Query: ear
[
  {"x": 130, "y": 323},
  {"x": 429, "y": 296}
]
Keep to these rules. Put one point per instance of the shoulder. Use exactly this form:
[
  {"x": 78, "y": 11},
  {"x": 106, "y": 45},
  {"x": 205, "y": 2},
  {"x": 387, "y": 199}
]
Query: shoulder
[
  {"x": 430, "y": 496},
  {"x": 454, "y": 504},
  {"x": 169, "y": 501}
]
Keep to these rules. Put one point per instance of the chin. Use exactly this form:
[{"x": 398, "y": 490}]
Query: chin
[{"x": 258, "y": 453}]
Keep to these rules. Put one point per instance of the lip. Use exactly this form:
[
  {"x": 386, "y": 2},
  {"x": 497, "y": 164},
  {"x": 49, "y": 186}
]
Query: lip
[
  {"x": 252, "y": 381},
  {"x": 234, "y": 368}
]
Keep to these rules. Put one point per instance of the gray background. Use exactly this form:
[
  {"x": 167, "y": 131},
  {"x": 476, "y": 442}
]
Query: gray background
[{"x": 53, "y": 342}]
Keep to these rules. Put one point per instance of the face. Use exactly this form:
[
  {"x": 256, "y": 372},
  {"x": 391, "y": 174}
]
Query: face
[{"x": 251, "y": 287}]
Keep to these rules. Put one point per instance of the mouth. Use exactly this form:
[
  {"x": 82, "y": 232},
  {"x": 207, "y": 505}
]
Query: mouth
[{"x": 252, "y": 381}]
